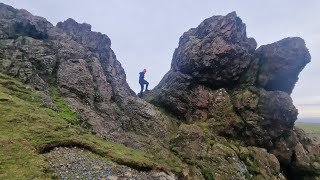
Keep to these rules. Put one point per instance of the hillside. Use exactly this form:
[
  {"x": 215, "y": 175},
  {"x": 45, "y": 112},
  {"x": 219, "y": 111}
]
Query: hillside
[
  {"x": 223, "y": 110},
  {"x": 28, "y": 131}
]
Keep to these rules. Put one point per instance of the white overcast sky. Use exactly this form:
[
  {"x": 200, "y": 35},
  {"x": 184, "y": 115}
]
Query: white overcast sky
[{"x": 144, "y": 33}]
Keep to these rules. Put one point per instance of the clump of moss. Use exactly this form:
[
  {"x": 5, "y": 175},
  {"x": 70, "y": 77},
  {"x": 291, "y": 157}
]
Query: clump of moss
[{"x": 207, "y": 174}]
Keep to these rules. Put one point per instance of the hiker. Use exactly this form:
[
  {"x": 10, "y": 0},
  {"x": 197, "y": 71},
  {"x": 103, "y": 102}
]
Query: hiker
[{"x": 143, "y": 82}]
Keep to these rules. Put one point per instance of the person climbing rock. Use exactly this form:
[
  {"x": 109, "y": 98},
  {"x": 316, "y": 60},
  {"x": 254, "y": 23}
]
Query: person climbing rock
[{"x": 142, "y": 81}]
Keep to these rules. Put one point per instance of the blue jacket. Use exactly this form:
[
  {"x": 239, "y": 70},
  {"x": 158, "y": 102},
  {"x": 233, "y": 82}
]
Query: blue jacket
[{"x": 141, "y": 77}]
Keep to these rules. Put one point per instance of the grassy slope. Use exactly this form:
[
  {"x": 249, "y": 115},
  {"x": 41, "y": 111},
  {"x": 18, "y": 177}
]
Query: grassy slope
[
  {"x": 26, "y": 129},
  {"x": 313, "y": 128}
]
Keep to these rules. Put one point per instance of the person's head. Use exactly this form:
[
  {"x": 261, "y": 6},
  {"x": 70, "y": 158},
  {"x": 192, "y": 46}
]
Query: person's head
[{"x": 144, "y": 70}]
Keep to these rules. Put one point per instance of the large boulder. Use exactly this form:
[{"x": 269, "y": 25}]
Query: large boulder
[
  {"x": 215, "y": 53},
  {"x": 280, "y": 64}
]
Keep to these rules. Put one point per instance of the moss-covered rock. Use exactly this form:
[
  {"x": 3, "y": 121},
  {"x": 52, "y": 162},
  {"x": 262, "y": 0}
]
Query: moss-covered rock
[{"x": 218, "y": 158}]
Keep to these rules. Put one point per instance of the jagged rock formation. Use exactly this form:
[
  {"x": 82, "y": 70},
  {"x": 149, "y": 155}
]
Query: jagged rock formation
[
  {"x": 219, "y": 79},
  {"x": 85, "y": 69},
  {"x": 236, "y": 117}
]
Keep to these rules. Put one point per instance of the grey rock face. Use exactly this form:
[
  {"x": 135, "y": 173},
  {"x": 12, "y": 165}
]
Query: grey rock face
[
  {"x": 99, "y": 44},
  {"x": 86, "y": 71},
  {"x": 22, "y": 23},
  {"x": 75, "y": 79},
  {"x": 82, "y": 33}
]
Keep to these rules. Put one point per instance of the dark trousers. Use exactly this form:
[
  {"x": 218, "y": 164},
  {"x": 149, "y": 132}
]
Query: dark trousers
[{"x": 142, "y": 83}]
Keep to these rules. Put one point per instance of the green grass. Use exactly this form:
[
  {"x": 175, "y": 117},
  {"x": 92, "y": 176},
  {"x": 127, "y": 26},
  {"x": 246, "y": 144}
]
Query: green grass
[
  {"x": 27, "y": 129},
  {"x": 309, "y": 127},
  {"x": 64, "y": 110}
]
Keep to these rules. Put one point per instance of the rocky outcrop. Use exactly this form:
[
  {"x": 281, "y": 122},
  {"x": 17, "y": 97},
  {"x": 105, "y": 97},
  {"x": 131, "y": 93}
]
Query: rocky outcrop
[
  {"x": 214, "y": 55},
  {"x": 219, "y": 79},
  {"x": 81, "y": 64}
]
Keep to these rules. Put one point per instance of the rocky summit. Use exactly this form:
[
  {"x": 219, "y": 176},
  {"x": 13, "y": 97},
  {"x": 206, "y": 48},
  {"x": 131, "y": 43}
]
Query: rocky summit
[{"x": 223, "y": 110}]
